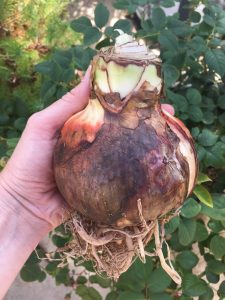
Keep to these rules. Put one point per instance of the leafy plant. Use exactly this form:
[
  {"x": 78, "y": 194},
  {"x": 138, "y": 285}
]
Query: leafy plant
[
  {"x": 193, "y": 55},
  {"x": 29, "y": 31}
]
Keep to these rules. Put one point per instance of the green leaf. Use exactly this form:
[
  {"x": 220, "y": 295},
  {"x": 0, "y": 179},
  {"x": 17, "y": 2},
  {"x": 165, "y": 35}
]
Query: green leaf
[
  {"x": 88, "y": 265},
  {"x": 110, "y": 33},
  {"x": 126, "y": 5},
  {"x": 167, "y": 3},
  {"x": 131, "y": 296},
  {"x": 137, "y": 276},
  {"x": 215, "y": 60},
  {"x": 195, "y": 113},
  {"x": 86, "y": 58},
  {"x": 61, "y": 91},
  {"x": 217, "y": 246},
  {"x": 194, "y": 97},
  {"x": 81, "y": 280},
  {"x": 214, "y": 42},
  {"x": 11, "y": 143},
  {"x": 32, "y": 272},
  {"x": 195, "y": 17},
  {"x": 56, "y": 72},
  {"x": 203, "y": 195},
  {"x": 187, "y": 259},
  {"x": 82, "y": 24},
  {"x": 208, "y": 294},
  {"x": 201, "y": 233},
  {"x": 103, "y": 282},
  {"x": 208, "y": 117},
  {"x": 158, "y": 18},
  {"x": 124, "y": 25},
  {"x": 52, "y": 268},
  {"x": 48, "y": 89},
  {"x": 211, "y": 277},
  {"x": 168, "y": 41},
  {"x": 68, "y": 75},
  {"x": 62, "y": 58},
  {"x": 112, "y": 296},
  {"x": 221, "y": 291},
  {"x": 91, "y": 36},
  {"x": 209, "y": 20},
  {"x": 146, "y": 25},
  {"x": 155, "y": 285},
  {"x": 178, "y": 27},
  {"x": 186, "y": 231},
  {"x": 171, "y": 74},
  {"x": 88, "y": 293},
  {"x": 43, "y": 67},
  {"x": 221, "y": 101},
  {"x": 62, "y": 276},
  {"x": 104, "y": 43},
  {"x": 216, "y": 266},
  {"x": 203, "y": 178},
  {"x": 159, "y": 296},
  {"x": 215, "y": 226},
  {"x": 215, "y": 157},
  {"x": 207, "y": 138},
  {"x": 197, "y": 45},
  {"x": 190, "y": 208},
  {"x": 20, "y": 123},
  {"x": 193, "y": 286},
  {"x": 4, "y": 119},
  {"x": 195, "y": 132},
  {"x": 101, "y": 15},
  {"x": 172, "y": 225},
  {"x": 180, "y": 103},
  {"x": 78, "y": 52},
  {"x": 60, "y": 241},
  {"x": 33, "y": 258},
  {"x": 218, "y": 210}
]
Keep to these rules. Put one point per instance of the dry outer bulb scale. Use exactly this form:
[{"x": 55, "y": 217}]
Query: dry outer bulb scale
[{"x": 122, "y": 164}]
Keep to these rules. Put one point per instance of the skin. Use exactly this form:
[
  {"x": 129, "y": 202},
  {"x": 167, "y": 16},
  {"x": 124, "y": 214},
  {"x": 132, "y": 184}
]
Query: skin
[{"x": 30, "y": 203}]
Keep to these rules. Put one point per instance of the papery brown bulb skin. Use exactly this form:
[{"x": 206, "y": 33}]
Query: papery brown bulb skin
[{"x": 116, "y": 152}]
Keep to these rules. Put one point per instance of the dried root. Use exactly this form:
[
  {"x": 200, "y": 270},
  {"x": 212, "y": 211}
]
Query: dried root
[
  {"x": 113, "y": 250},
  {"x": 168, "y": 268}
]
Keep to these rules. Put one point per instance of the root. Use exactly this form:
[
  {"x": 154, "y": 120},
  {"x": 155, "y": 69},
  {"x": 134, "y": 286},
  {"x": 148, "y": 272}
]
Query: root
[
  {"x": 113, "y": 250},
  {"x": 167, "y": 268},
  {"x": 141, "y": 247},
  {"x": 90, "y": 239}
]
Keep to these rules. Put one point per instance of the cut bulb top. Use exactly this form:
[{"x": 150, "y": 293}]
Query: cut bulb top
[
  {"x": 126, "y": 44},
  {"x": 125, "y": 69}
]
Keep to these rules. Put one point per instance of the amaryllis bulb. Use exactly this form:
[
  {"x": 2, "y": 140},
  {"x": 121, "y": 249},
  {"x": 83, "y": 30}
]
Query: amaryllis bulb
[{"x": 121, "y": 162}]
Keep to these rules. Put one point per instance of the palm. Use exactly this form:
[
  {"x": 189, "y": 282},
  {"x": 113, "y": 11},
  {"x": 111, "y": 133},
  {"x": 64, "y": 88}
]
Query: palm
[{"x": 32, "y": 176}]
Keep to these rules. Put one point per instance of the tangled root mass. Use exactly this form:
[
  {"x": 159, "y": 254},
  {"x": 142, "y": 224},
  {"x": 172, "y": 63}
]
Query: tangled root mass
[{"x": 114, "y": 250}]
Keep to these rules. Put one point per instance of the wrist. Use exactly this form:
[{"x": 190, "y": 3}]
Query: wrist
[
  {"x": 20, "y": 233},
  {"x": 14, "y": 208}
]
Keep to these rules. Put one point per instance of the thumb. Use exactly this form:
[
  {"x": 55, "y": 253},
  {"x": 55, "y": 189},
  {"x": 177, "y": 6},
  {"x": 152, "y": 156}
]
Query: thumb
[{"x": 54, "y": 116}]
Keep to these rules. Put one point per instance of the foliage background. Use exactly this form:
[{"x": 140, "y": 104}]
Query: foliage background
[{"x": 39, "y": 51}]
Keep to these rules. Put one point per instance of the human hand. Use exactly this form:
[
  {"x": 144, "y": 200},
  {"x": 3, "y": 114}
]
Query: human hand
[{"x": 28, "y": 176}]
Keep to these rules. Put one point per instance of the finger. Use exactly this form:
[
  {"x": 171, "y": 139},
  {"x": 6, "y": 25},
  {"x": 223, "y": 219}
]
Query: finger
[
  {"x": 169, "y": 108},
  {"x": 54, "y": 116}
]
